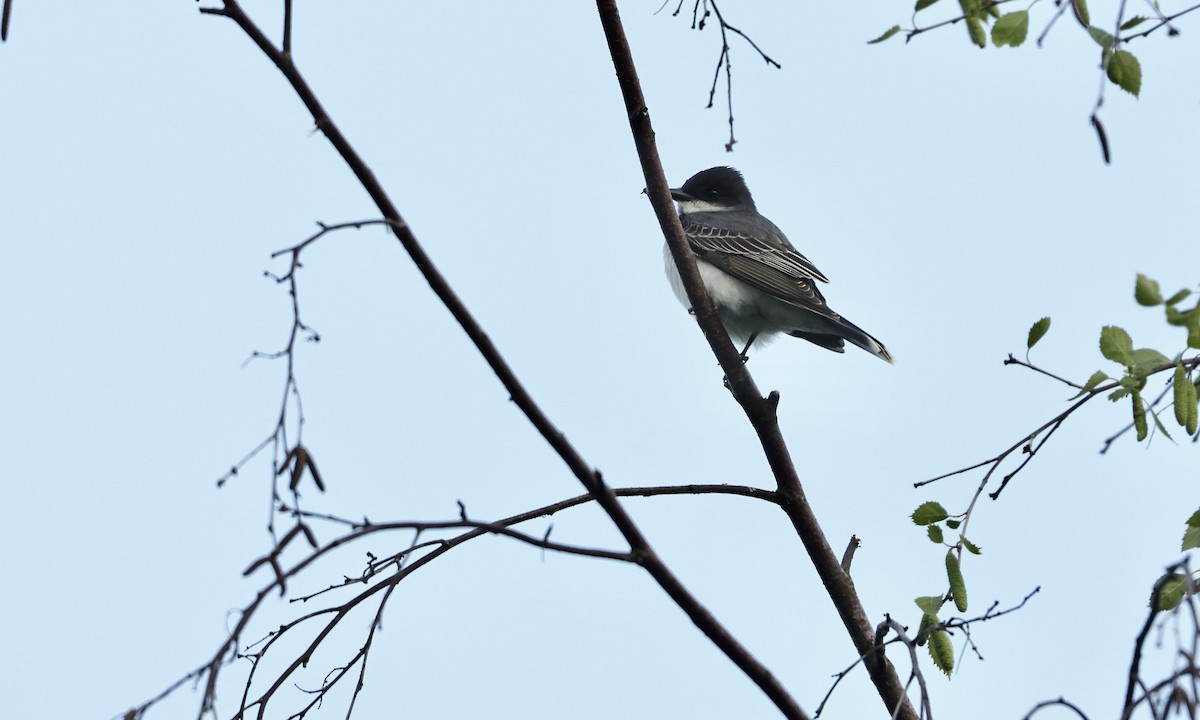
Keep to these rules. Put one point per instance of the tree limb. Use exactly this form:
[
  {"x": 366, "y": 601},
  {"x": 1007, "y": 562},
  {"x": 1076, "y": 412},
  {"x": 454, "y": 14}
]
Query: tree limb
[{"x": 759, "y": 410}]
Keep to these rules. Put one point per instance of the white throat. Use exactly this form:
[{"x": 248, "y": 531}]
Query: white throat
[{"x": 698, "y": 206}]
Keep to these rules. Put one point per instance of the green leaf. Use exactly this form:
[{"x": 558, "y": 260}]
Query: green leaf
[
  {"x": 1139, "y": 417},
  {"x": 1102, "y": 38},
  {"x": 1126, "y": 72},
  {"x": 953, "y": 524},
  {"x": 935, "y": 533},
  {"x": 970, "y": 546},
  {"x": 1118, "y": 394},
  {"x": 1180, "y": 319},
  {"x": 942, "y": 651},
  {"x": 1158, "y": 424},
  {"x": 1146, "y": 291},
  {"x": 1177, "y": 297},
  {"x": 1115, "y": 344},
  {"x": 922, "y": 4},
  {"x": 1011, "y": 29},
  {"x": 978, "y": 36},
  {"x": 1194, "y": 520},
  {"x": 886, "y": 34},
  {"x": 1148, "y": 358},
  {"x": 1039, "y": 329},
  {"x": 958, "y": 588},
  {"x": 929, "y": 513},
  {"x": 1194, "y": 336},
  {"x": 1081, "y": 12},
  {"x": 930, "y": 604},
  {"x": 1092, "y": 383},
  {"x": 1191, "y": 538},
  {"x": 1185, "y": 395},
  {"x": 1133, "y": 22},
  {"x": 1171, "y": 589}
]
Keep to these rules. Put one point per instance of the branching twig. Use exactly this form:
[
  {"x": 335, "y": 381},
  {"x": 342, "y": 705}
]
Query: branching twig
[
  {"x": 1048, "y": 427},
  {"x": 1179, "y": 690},
  {"x": 1024, "y": 443},
  {"x": 1164, "y": 21},
  {"x": 723, "y": 59},
  {"x": 228, "y": 651},
  {"x": 889, "y": 623},
  {"x": 1135, "y": 664},
  {"x": 286, "y": 453},
  {"x": 582, "y": 470}
]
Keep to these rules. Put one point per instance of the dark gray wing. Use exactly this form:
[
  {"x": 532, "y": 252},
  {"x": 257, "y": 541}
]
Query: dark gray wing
[{"x": 756, "y": 252}]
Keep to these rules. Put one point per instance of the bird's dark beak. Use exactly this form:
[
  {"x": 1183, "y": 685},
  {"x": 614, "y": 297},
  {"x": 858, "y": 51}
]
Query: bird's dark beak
[{"x": 679, "y": 194}]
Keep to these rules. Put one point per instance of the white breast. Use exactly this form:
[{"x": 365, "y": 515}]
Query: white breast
[{"x": 735, "y": 300}]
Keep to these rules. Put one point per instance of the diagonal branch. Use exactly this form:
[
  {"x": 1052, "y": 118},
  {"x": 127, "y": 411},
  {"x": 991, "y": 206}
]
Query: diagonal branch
[
  {"x": 4, "y": 16},
  {"x": 228, "y": 651},
  {"x": 588, "y": 476},
  {"x": 759, "y": 410}
]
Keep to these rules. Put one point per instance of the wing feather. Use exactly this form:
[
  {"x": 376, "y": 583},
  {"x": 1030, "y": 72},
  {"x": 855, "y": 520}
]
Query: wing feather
[{"x": 760, "y": 256}]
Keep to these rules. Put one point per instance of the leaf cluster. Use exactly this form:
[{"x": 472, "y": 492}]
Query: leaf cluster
[
  {"x": 1117, "y": 346},
  {"x": 1139, "y": 364},
  {"x": 1170, "y": 589},
  {"x": 1012, "y": 29},
  {"x": 936, "y": 521}
]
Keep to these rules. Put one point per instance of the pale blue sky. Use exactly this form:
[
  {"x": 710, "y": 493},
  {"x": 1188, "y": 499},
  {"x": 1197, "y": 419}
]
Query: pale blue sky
[{"x": 153, "y": 160}]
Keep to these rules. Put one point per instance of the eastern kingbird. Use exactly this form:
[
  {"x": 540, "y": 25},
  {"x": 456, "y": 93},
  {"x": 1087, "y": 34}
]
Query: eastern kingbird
[{"x": 759, "y": 283}]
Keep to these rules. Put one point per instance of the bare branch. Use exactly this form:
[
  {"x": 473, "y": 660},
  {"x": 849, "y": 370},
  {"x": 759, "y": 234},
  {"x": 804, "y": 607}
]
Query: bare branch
[
  {"x": 759, "y": 410},
  {"x": 723, "y": 58},
  {"x": 404, "y": 564},
  {"x": 1051, "y": 703},
  {"x": 1165, "y": 21},
  {"x": 4, "y": 17},
  {"x": 1027, "y": 445},
  {"x": 1014, "y": 361},
  {"x": 584, "y": 472}
]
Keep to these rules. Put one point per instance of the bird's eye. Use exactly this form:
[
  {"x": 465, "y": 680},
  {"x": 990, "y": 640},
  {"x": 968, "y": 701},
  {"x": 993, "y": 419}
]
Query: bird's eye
[{"x": 713, "y": 193}]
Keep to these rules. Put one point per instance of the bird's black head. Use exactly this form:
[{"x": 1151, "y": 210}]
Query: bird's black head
[{"x": 714, "y": 189}]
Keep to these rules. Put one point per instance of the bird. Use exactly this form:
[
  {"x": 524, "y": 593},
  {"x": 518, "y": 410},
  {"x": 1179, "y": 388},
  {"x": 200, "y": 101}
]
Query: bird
[{"x": 760, "y": 284}]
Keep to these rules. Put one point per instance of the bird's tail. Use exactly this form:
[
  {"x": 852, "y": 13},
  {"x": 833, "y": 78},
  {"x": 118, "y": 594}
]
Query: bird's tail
[
  {"x": 845, "y": 330},
  {"x": 864, "y": 340}
]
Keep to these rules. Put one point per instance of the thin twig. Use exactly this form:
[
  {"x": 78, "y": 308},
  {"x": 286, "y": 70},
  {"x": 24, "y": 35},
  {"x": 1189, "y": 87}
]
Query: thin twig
[
  {"x": 1051, "y": 703},
  {"x": 228, "y": 650},
  {"x": 1014, "y": 361},
  {"x": 914, "y": 31},
  {"x": 1165, "y": 22},
  {"x": 724, "y": 57}
]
